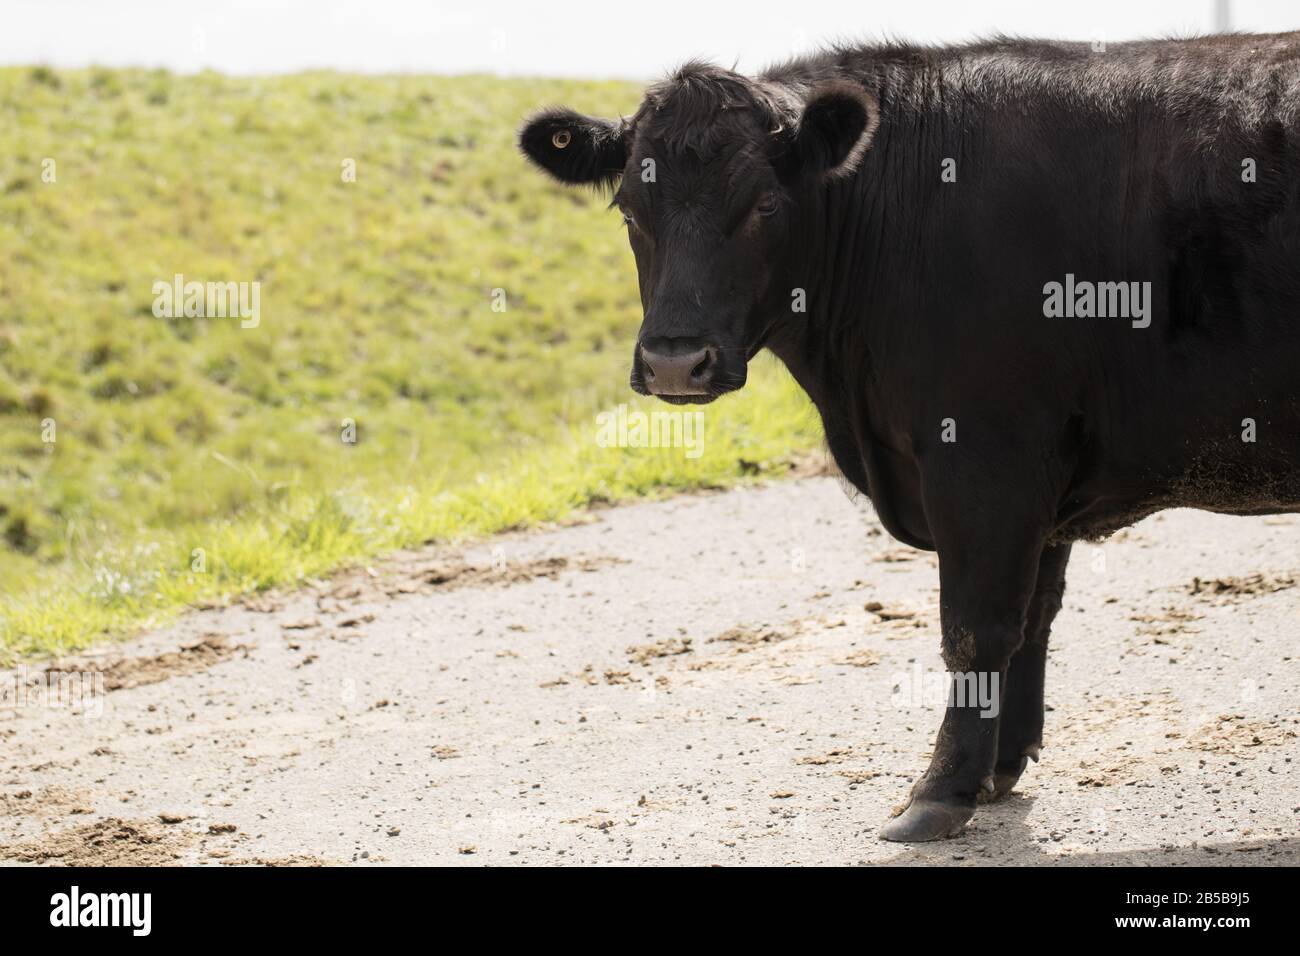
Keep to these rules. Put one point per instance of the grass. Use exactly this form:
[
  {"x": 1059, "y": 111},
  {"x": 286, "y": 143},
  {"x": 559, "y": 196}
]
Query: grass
[{"x": 193, "y": 459}]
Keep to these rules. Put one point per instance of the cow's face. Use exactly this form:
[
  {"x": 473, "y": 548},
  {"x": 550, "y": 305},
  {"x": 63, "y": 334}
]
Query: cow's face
[{"x": 707, "y": 176}]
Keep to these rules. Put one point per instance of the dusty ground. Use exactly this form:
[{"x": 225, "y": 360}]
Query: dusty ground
[{"x": 694, "y": 681}]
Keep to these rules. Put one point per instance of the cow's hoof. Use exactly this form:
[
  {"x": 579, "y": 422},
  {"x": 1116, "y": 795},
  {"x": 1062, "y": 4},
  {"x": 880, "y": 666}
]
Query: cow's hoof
[
  {"x": 1007, "y": 775},
  {"x": 1004, "y": 778},
  {"x": 925, "y": 820}
]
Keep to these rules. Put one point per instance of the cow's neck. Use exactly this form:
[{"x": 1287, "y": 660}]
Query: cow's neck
[
  {"x": 838, "y": 401},
  {"x": 831, "y": 348}
]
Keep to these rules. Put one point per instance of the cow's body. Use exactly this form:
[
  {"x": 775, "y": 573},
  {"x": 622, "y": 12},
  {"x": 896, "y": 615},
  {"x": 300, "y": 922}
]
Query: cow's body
[
  {"x": 1118, "y": 166},
  {"x": 922, "y": 202}
]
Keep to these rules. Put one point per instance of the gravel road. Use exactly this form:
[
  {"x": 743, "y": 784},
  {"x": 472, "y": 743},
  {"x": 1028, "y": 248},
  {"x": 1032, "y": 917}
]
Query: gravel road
[{"x": 732, "y": 678}]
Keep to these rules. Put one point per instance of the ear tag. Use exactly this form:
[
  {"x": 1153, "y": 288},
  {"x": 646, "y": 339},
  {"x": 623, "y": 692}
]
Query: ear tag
[{"x": 561, "y": 138}]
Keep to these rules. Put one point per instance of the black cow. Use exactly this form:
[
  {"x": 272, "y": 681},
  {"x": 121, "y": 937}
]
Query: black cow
[{"x": 1036, "y": 290}]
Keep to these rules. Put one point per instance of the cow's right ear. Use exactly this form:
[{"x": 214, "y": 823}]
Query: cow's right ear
[{"x": 574, "y": 148}]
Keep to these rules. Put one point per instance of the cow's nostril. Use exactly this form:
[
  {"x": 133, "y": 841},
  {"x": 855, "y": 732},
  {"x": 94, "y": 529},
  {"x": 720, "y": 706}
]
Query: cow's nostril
[{"x": 705, "y": 363}]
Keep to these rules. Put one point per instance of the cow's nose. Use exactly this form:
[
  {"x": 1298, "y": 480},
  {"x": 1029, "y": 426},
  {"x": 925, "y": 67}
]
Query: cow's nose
[{"x": 678, "y": 366}]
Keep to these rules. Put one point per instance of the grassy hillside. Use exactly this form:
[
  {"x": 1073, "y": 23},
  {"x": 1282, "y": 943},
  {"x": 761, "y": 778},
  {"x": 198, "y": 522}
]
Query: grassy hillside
[{"x": 376, "y": 307}]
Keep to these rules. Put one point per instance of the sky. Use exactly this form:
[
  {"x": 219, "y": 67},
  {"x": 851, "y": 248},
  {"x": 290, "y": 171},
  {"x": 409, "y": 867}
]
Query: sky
[{"x": 635, "y": 39}]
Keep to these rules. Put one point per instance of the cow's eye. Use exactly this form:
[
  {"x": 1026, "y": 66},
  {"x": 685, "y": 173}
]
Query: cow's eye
[
  {"x": 767, "y": 204},
  {"x": 627, "y": 219}
]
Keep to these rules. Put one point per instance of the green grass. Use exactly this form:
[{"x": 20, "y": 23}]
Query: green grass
[{"x": 376, "y": 306}]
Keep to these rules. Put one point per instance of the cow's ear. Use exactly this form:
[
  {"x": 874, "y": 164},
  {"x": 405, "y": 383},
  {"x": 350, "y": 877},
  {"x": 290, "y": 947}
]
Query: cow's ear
[
  {"x": 835, "y": 129},
  {"x": 575, "y": 148}
]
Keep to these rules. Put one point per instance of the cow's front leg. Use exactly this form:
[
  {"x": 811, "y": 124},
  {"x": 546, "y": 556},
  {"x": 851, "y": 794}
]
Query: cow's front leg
[
  {"x": 1020, "y": 725},
  {"x": 987, "y": 573}
]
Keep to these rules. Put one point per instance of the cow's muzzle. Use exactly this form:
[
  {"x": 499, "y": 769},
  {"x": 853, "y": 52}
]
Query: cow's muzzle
[
  {"x": 678, "y": 367},
  {"x": 686, "y": 370}
]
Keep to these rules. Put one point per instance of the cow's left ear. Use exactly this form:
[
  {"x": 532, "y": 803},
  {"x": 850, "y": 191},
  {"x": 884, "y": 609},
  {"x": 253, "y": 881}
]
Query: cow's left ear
[
  {"x": 835, "y": 129},
  {"x": 575, "y": 149}
]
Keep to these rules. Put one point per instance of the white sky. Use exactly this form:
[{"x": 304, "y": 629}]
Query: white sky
[{"x": 596, "y": 38}]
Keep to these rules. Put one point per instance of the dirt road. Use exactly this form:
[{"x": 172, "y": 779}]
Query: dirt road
[{"x": 732, "y": 678}]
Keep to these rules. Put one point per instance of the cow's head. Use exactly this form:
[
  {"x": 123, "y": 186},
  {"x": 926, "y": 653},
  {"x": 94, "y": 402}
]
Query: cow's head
[{"x": 708, "y": 175}]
